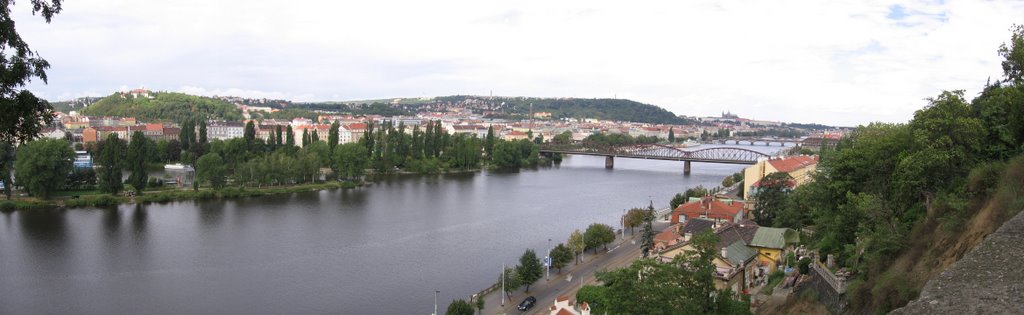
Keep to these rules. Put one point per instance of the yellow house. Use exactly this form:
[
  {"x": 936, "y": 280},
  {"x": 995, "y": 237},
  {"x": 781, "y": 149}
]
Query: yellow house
[
  {"x": 772, "y": 245},
  {"x": 798, "y": 167}
]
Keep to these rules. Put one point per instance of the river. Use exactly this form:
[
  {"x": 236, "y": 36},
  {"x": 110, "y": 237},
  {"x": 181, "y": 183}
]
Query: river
[{"x": 383, "y": 249}]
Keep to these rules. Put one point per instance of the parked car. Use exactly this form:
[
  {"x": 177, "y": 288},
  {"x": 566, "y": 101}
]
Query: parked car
[{"x": 527, "y": 303}]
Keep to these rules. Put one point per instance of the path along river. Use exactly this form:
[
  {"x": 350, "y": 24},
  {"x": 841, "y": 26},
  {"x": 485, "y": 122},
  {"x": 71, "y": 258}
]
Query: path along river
[{"x": 381, "y": 249}]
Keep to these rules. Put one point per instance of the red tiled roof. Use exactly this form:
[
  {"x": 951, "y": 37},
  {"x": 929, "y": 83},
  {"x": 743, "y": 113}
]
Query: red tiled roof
[
  {"x": 667, "y": 235},
  {"x": 564, "y": 312},
  {"x": 562, "y": 298},
  {"x": 711, "y": 208},
  {"x": 793, "y": 163},
  {"x": 356, "y": 126}
]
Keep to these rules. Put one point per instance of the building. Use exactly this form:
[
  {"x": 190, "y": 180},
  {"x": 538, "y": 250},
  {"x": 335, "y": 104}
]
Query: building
[
  {"x": 718, "y": 210},
  {"x": 351, "y": 133},
  {"x": 681, "y": 233},
  {"x": 100, "y": 133},
  {"x": 799, "y": 167},
  {"x": 83, "y": 160},
  {"x": 225, "y": 130},
  {"x": 514, "y": 135},
  {"x": 735, "y": 262},
  {"x": 772, "y": 245},
  {"x": 564, "y": 306}
]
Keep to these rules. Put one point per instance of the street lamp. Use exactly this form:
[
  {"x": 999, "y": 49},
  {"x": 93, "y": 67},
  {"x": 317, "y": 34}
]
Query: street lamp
[
  {"x": 547, "y": 262},
  {"x": 435, "y": 301},
  {"x": 623, "y": 222},
  {"x": 502, "y": 285}
]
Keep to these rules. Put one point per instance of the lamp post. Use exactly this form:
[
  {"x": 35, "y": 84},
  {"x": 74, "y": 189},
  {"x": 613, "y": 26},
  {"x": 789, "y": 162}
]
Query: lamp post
[
  {"x": 547, "y": 263},
  {"x": 623, "y": 222},
  {"x": 502, "y": 293},
  {"x": 435, "y": 301}
]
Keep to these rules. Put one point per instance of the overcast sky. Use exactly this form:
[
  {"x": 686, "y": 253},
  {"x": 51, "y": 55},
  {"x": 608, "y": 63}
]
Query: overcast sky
[{"x": 832, "y": 62}]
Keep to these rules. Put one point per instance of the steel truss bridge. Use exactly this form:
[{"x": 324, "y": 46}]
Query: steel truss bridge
[{"x": 725, "y": 155}]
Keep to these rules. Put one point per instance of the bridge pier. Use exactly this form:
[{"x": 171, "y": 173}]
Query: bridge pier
[
  {"x": 686, "y": 168},
  {"x": 609, "y": 162}
]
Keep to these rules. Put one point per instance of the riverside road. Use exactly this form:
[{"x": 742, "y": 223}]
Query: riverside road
[{"x": 621, "y": 253}]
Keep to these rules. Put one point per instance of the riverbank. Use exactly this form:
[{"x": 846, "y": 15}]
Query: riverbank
[{"x": 162, "y": 196}]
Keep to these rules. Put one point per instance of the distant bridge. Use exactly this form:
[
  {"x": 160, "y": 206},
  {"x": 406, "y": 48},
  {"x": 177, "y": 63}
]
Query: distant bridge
[
  {"x": 754, "y": 141},
  {"x": 657, "y": 152}
]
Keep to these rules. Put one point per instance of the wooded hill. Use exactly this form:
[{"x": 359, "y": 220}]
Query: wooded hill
[{"x": 168, "y": 106}]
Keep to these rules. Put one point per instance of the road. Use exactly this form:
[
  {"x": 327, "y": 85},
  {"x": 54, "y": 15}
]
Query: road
[{"x": 620, "y": 253}]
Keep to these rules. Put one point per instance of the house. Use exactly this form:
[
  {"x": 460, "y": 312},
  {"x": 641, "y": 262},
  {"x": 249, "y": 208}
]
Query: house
[
  {"x": 563, "y": 306},
  {"x": 772, "y": 245},
  {"x": 680, "y": 233},
  {"x": 735, "y": 261},
  {"x": 799, "y": 167},
  {"x": 726, "y": 210}
]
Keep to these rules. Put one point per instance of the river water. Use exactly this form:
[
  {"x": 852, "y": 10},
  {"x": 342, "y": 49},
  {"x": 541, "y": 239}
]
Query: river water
[{"x": 380, "y": 249}]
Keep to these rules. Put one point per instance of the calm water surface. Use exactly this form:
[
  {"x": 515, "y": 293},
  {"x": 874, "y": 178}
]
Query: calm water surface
[{"x": 378, "y": 249}]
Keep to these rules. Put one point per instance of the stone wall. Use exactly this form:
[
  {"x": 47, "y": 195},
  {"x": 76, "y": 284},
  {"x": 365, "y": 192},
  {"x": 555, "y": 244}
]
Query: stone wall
[{"x": 988, "y": 280}]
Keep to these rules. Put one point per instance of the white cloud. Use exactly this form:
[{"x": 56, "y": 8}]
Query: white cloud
[{"x": 832, "y": 62}]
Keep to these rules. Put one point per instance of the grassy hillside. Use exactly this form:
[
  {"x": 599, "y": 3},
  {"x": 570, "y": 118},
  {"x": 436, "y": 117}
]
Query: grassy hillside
[{"x": 164, "y": 106}]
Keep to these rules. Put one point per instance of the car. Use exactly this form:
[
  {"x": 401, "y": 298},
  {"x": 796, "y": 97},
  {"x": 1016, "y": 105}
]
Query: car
[{"x": 527, "y": 303}]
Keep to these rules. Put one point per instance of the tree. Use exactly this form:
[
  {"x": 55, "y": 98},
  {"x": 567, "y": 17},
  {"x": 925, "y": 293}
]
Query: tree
[
  {"x": 111, "y": 164},
  {"x": 186, "y": 136},
  {"x": 529, "y": 269},
  {"x": 671, "y": 135},
  {"x": 677, "y": 200},
  {"x": 647, "y": 233},
  {"x": 479, "y": 304},
  {"x": 489, "y": 141},
  {"x": 771, "y": 197},
  {"x": 23, "y": 115},
  {"x": 728, "y": 182},
  {"x": 210, "y": 168},
  {"x": 511, "y": 281},
  {"x": 290, "y": 142},
  {"x": 43, "y": 165},
  {"x": 333, "y": 134},
  {"x": 137, "y": 161},
  {"x": 277, "y": 133},
  {"x": 250, "y": 134},
  {"x": 6, "y": 166},
  {"x": 595, "y": 296},
  {"x": 459, "y": 307},
  {"x": 634, "y": 218},
  {"x": 597, "y": 235},
  {"x": 1013, "y": 65},
  {"x": 350, "y": 160},
  {"x": 202, "y": 131},
  {"x": 577, "y": 244},
  {"x": 560, "y": 256},
  {"x": 507, "y": 155},
  {"x": 696, "y": 192}
]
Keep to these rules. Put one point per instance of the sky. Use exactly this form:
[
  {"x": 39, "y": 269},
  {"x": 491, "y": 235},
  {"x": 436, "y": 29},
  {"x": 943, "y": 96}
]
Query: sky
[{"x": 834, "y": 62}]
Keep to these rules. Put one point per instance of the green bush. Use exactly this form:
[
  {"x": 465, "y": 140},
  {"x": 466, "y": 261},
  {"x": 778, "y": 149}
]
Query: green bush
[
  {"x": 7, "y": 206},
  {"x": 804, "y": 265}
]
